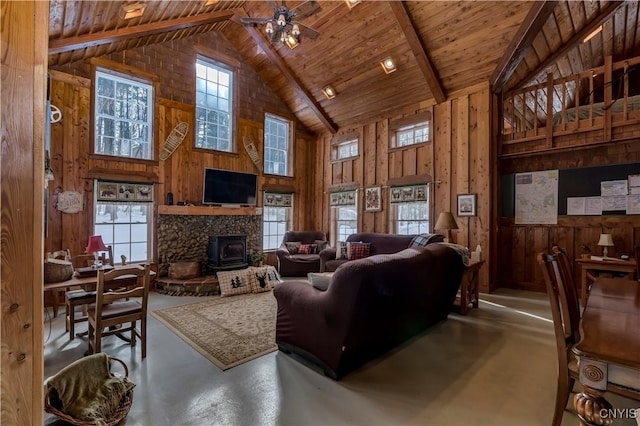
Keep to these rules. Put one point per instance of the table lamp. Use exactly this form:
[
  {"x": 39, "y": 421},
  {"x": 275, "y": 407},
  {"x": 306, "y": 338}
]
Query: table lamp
[
  {"x": 446, "y": 222},
  {"x": 606, "y": 240},
  {"x": 96, "y": 245}
]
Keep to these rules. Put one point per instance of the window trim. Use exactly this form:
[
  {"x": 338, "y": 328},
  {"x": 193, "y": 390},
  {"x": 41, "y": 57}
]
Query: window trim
[
  {"x": 290, "y": 149},
  {"x": 118, "y": 70},
  {"x": 234, "y": 69}
]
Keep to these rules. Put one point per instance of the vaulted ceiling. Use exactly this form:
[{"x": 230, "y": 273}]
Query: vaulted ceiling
[{"x": 440, "y": 47}]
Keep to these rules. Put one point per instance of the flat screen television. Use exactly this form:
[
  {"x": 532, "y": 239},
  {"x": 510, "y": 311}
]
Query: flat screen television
[{"x": 229, "y": 187}]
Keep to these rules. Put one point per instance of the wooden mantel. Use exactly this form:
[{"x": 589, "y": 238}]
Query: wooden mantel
[{"x": 209, "y": 210}]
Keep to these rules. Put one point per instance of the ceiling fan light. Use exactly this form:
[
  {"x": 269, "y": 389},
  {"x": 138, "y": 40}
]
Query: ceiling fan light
[
  {"x": 281, "y": 20},
  {"x": 292, "y": 41},
  {"x": 388, "y": 65},
  {"x": 283, "y": 37},
  {"x": 329, "y": 92},
  {"x": 269, "y": 28},
  {"x": 296, "y": 30}
]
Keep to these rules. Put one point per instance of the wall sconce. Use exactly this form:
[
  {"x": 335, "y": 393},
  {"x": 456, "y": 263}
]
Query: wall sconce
[
  {"x": 211, "y": 2},
  {"x": 388, "y": 65},
  {"x": 606, "y": 240},
  {"x": 329, "y": 92},
  {"x": 129, "y": 11},
  {"x": 352, "y": 3}
]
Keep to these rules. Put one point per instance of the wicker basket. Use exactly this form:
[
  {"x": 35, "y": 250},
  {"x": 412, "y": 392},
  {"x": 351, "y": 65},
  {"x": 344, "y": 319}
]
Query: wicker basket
[
  {"x": 52, "y": 405},
  {"x": 56, "y": 270}
]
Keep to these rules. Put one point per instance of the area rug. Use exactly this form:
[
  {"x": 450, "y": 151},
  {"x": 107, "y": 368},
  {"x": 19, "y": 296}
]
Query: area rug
[{"x": 228, "y": 331}]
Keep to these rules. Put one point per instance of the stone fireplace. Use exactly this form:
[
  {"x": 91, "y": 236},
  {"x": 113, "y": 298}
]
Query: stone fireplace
[
  {"x": 226, "y": 252},
  {"x": 186, "y": 237}
]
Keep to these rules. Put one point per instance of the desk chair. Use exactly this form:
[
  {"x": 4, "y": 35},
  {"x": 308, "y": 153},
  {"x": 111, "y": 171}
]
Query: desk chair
[{"x": 112, "y": 309}]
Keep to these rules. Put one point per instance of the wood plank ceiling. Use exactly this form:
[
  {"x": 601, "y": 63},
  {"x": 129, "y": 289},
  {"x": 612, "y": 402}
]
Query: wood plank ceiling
[{"x": 439, "y": 47}]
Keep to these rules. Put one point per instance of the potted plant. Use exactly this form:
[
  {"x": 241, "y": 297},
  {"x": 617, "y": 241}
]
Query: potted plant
[{"x": 256, "y": 257}]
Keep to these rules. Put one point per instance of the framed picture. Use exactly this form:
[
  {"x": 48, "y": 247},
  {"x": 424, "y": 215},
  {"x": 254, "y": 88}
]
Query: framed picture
[
  {"x": 126, "y": 191},
  {"x": 144, "y": 192},
  {"x": 467, "y": 204},
  {"x": 373, "y": 199},
  {"x": 107, "y": 191}
]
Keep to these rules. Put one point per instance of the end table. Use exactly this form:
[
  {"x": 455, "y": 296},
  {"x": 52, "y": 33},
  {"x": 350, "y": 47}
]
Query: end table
[{"x": 469, "y": 288}]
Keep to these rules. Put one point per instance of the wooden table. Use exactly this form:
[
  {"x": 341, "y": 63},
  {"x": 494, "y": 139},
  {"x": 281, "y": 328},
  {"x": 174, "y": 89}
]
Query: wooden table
[
  {"x": 626, "y": 266},
  {"x": 75, "y": 281},
  {"x": 469, "y": 288},
  {"x": 609, "y": 349}
]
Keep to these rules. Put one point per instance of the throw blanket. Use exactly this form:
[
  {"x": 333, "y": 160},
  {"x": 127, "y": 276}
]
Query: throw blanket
[
  {"x": 461, "y": 250},
  {"x": 88, "y": 390}
]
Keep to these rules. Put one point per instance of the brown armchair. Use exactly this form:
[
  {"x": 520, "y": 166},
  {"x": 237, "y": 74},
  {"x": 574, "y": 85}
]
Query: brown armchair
[{"x": 292, "y": 264}]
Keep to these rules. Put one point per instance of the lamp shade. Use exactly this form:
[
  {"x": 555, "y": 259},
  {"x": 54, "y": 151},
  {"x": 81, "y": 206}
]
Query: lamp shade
[
  {"x": 446, "y": 221},
  {"x": 606, "y": 240},
  {"x": 95, "y": 244}
]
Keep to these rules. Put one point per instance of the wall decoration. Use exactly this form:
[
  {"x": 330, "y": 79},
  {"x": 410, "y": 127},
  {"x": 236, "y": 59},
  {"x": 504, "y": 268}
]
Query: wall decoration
[
  {"x": 467, "y": 204},
  {"x": 343, "y": 198},
  {"x": 373, "y": 199},
  {"x": 126, "y": 191},
  {"x": 275, "y": 199},
  {"x": 174, "y": 139},
  {"x": 70, "y": 202},
  {"x": 144, "y": 192},
  {"x": 107, "y": 191},
  {"x": 409, "y": 193}
]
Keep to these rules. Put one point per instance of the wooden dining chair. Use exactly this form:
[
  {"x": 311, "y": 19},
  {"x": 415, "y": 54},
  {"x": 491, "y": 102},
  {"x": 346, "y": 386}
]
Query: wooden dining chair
[
  {"x": 112, "y": 313},
  {"x": 565, "y": 312},
  {"x": 64, "y": 254}
]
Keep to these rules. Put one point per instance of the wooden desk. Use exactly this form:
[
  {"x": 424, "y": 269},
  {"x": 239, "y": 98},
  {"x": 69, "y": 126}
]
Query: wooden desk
[
  {"x": 469, "y": 288},
  {"x": 626, "y": 266},
  {"x": 609, "y": 349}
]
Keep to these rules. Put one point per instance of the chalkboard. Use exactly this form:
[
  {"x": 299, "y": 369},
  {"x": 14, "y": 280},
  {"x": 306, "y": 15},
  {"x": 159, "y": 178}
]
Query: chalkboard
[{"x": 575, "y": 182}]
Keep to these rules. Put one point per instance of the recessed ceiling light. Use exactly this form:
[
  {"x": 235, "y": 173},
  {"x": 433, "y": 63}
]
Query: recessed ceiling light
[
  {"x": 388, "y": 65},
  {"x": 329, "y": 92},
  {"x": 129, "y": 11},
  {"x": 352, "y": 3},
  {"x": 592, "y": 34}
]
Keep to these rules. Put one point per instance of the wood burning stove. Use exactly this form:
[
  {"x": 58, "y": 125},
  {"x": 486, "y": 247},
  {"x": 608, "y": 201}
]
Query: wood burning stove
[{"x": 226, "y": 252}]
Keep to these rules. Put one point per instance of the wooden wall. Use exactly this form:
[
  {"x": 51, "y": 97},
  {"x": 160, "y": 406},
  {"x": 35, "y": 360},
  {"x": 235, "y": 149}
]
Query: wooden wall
[
  {"x": 22, "y": 134},
  {"x": 171, "y": 67},
  {"x": 458, "y": 159},
  {"x": 519, "y": 244}
]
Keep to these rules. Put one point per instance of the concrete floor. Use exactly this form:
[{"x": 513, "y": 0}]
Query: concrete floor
[{"x": 496, "y": 366}]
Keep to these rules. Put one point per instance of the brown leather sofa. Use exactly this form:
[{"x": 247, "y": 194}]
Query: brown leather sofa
[
  {"x": 371, "y": 306},
  {"x": 380, "y": 244},
  {"x": 298, "y": 265}
]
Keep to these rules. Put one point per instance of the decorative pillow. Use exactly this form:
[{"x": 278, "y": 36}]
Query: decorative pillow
[
  {"x": 308, "y": 249},
  {"x": 321, "y": 244},
  {"x": 320, "y": 280},
  {"x": 358, "y": 250},
  {"x": 234, "y": 282},
  {"x": 341, "y": 250},
  {"x": 293, "y": 246},
  {"x": 263, "y": 278},
  {"x": 423, "y": 240}
]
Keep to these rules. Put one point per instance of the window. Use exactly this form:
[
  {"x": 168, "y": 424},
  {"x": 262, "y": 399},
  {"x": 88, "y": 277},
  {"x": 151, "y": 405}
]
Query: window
[
  {"x": 214, "y": 106},
  {"x": 276, "y": 219},
  {"x": 347, "y": 149},
  {"x": 124, "y": 225},
  {"x": 123, "y": 117},
  {"x": 345, "y": 146},
  {"x": 277, "y": 143},
  {"x": 410, "y": 209},
  {"x": 410, "y": 130},
  {"x": 346, "y": 222}
]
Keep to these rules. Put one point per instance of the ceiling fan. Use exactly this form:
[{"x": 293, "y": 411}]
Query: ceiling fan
[{"x": 285, "y": 25}]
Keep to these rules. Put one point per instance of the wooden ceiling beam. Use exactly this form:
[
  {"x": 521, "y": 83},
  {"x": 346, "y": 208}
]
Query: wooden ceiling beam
[
  {"x": 276, "y": 60},
  {"x": 529, "y": 29},
  {"x": 609, "y": 9},
  {"x": 106, "y": 37},
  {"x": 428, "y": 71}
]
